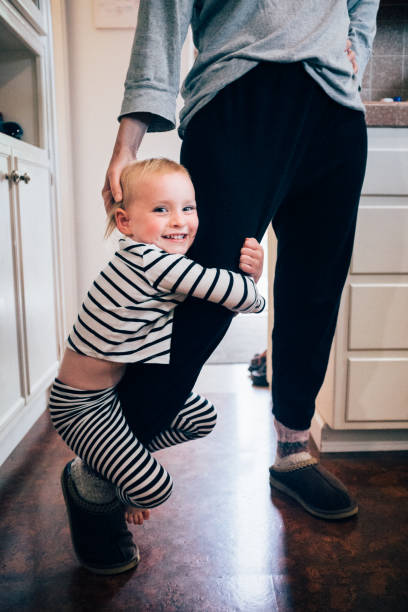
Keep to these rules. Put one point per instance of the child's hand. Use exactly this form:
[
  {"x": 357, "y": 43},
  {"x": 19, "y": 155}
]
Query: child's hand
[{"x": 251, "y": 259}]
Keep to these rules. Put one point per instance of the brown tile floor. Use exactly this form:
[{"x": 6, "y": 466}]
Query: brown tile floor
[{"x": 222, "y": 542}]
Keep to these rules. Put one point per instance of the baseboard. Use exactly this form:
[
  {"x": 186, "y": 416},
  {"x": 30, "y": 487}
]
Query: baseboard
[
  {"x": 19, "y": 422},
  {"x": 330, "y": 440}
]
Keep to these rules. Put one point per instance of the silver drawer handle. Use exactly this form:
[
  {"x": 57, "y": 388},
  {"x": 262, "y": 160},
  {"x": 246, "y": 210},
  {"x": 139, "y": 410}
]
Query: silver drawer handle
[{"x": 25, "y": 177}]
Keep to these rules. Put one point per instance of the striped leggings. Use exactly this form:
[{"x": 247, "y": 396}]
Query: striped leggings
[{"x": 92, "y": 424}]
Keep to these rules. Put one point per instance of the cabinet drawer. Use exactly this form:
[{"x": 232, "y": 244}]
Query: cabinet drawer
[
  {"x": 386, "y": 171},
  {"x": 381, "y": 243},
  {"x": 378, "y": 316},
  {"x": 377, "y": 389}
]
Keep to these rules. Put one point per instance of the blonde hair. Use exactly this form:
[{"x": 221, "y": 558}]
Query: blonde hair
[{"x": 132, "y": 174}]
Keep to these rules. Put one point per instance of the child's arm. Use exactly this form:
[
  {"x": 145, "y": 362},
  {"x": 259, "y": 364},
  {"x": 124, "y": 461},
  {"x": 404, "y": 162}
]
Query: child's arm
[{"x": 178, "y": 274}]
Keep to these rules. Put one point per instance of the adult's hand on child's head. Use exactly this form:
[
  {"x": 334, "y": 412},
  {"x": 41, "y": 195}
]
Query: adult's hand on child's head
[
  {"x": 112, "y": 191},
  {"x": 251, "y": 258},
  {"x": 132, "y": 128}
]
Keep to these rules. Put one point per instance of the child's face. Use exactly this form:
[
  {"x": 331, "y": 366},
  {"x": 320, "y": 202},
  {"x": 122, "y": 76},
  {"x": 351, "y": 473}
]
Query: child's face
[{"x": 163, "y": 213}]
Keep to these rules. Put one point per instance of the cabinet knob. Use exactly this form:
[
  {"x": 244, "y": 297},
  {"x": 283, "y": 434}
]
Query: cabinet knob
[{"x": 14, "y": 176}]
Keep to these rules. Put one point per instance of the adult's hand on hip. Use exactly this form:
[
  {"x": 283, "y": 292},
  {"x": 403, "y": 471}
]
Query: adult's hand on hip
[
  {"x": 132, "y": 128},
  {"x": 351, "y": 55}
]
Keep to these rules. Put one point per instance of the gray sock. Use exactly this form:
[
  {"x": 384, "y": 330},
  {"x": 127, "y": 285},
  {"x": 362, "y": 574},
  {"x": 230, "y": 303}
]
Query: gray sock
[
  {"x": 90, "y": 485},
  {"x": 292, "y": 446}
]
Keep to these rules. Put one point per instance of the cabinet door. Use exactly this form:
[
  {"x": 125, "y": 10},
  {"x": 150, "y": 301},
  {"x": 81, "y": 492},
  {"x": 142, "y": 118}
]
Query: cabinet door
[
  {"x": 34, "y": 12},
  {"x": 38, "y": 271},
  {"x": 10, "y": 385}
]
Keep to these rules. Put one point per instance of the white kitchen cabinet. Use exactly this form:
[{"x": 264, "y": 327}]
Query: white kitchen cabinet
[
  {"x": 363, "y": 403},
  {"x": 30, "y": 325}
]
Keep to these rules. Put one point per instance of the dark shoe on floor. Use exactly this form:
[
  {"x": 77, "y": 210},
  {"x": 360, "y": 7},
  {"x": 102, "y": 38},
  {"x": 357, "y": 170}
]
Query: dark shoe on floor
[
  {"x": 257, "y": 369},
  {"x": 258, "y": 375},
  {"x": 101, "y": 539},
  {"x": 318, "y": 491},
  {"x": 255, "y": 362}
]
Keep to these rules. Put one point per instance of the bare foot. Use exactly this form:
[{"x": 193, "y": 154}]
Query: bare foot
[{"x": 136, "y": 515}]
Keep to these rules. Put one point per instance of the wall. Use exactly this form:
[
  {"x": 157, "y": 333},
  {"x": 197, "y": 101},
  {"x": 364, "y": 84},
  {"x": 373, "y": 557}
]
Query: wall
[
  {"x": 98, "y": 61},
  {"x": 387, "y": 71}
]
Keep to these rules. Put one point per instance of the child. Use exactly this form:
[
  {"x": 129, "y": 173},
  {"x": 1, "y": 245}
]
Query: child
[{"x": 126, "y": 317}]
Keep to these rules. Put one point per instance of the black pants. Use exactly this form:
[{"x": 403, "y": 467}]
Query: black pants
[{"x": 272, "y": 146}]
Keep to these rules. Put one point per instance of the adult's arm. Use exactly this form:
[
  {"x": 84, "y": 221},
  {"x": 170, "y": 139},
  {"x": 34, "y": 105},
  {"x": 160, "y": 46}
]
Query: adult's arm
[
  {"x": 179, "y": 274},
  {"x": 363, "y": 15},
  {"x": 152, "y": 83}
]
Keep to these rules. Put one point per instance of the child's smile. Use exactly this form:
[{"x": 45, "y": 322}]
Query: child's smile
[{"x": 176, "y": 237}]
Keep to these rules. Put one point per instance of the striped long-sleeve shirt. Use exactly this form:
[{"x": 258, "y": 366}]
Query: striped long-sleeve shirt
[{"x": 127, "y": 315}]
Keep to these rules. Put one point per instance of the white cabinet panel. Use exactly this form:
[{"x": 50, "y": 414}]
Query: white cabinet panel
[
  {"x": 377, "y": 389},
  {"x": 10, "y": 387},
  {"x": 378, "y": 316},
  {"x": 381, "y": 244},
  {"x": 38, "y": 270},
  {"x": 387, "y": 172}
]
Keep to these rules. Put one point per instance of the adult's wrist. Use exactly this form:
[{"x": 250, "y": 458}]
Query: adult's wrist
[{"x": 132, "y": 128}]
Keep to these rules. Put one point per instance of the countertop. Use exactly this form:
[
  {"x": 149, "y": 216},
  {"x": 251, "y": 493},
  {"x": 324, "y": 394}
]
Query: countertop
[{"x": 387, "y": 114}]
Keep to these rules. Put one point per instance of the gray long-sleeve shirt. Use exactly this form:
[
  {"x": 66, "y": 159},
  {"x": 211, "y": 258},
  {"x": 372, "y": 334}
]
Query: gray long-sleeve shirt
[{"x": 233, "y": 36}]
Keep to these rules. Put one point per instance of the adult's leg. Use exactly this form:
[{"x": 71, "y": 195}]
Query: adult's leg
[
  {"x": 242, "y": 151},
  {"x": 314, "y": 254},
  {"x": 313, "y": 259}
]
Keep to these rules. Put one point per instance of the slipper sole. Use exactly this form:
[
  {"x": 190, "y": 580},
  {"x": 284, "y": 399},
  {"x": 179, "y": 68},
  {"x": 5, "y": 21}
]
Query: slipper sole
[{"x": 325, "y": 514}]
